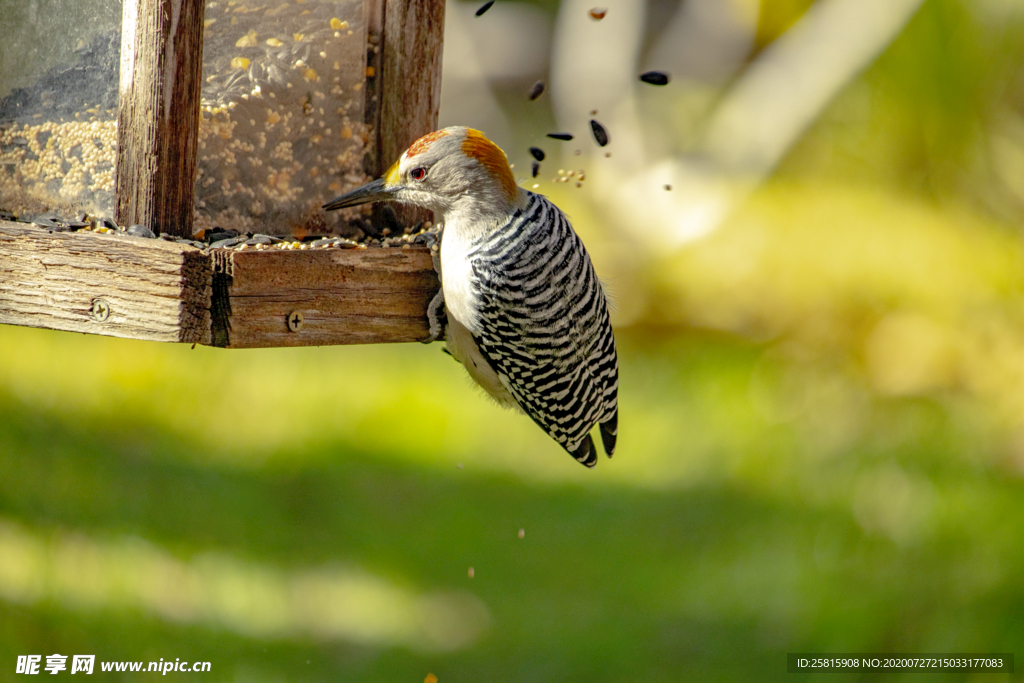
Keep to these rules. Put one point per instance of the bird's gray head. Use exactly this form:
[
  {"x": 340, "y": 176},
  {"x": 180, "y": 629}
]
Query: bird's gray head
[{"x": 450, "y": 169}]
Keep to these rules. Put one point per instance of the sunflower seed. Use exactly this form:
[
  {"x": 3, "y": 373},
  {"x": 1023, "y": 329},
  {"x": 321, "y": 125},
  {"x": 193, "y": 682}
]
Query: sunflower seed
[
  {"x": 141, "y": 231},
  {"x": 537, "y": 153},
  {"x": 560, "y": 136},
  {"x": 654, "y": 78},
  {"x": 600, "y": 134}
]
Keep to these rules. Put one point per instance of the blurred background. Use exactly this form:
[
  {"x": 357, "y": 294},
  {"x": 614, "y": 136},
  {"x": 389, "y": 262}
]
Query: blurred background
[{"x": 812, "y": 237}]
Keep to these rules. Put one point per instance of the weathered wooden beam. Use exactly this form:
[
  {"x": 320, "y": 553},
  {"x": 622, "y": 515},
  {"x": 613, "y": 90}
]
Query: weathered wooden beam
[
  {"x": 163, "y": 291},
  {"x": 104, "y": 284},
  {"x": 321, "y": 297},
  {"x": 410, "y": 38},
  {"x": 158, "y": 113}
]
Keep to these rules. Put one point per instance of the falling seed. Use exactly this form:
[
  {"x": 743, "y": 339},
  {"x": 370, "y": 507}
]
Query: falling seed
[
  {"x": 668, "y": 187},
  {"x": 522, "y": 533},
  {"x": 600, "y": 134},
  {"x": 654, "y": 78},
  {"x": 597, "y": 13},
  {"x": 593, "y": 112},
  {"x": 536, "y": 90},
  {"x": 537, "y": 153},
  {"x": 535, "y": 168},
  {"x": 471, "y": 572},
  {"x": 560, "y": 136},
  {"x": 486, "y": 6}
]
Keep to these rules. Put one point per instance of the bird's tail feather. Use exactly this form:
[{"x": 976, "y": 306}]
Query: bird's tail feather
[
  {"x": 585, "y": 452},
  {"x": 609, "y": 431}
]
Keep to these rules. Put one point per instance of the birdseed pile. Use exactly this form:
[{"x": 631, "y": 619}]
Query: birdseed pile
[
  {"x": 281, "y": 131},
  {"x": 57, "y": 137},
  {"x": 282, "y": 113}
]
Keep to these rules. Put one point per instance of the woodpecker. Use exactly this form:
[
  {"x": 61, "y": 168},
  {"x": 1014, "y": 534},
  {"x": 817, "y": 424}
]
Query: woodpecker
[{"x": 526, "y": 314}]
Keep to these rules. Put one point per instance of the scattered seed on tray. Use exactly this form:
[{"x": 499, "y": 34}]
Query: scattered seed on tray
[
  {"x": 141, "y": 231},
  {"x": 424, "y": 234},
  {"x": 486, "y": 6},
  {"x": 537, "y": 153},
  {"x": 536, "y": 90},
  {"x": 600, "y": 134},
  {"x": 654, "y": 78},
  {"x": 535, "y": 168},
  {"x": 560, "y": 136},
  {"x": 597, "y": 13}
]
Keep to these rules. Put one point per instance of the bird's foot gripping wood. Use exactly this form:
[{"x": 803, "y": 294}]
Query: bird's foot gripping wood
[{"x": 437, "y": 318}]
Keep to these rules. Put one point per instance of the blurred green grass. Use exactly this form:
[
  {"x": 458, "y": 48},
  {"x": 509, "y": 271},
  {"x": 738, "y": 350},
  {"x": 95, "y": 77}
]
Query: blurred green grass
[{"x": 776, "y": 489}]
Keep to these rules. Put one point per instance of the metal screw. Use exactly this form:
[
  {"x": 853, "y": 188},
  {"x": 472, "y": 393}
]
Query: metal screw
[
  {"x": 100, "y": 310},
  {"x": 295, "y": 321}
]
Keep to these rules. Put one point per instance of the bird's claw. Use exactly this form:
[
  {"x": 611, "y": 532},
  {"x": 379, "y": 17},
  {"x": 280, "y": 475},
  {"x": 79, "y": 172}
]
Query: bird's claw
[{"x": 436, "y": 315}]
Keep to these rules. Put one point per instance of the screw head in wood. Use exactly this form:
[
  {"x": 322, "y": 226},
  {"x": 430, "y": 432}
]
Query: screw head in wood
[
  {"x": 295, "y": 320},
  {"x": 100, "y": 310}
]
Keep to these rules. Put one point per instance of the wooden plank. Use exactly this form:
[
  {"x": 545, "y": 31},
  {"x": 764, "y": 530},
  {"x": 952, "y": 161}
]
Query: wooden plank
[
  {"x": 158, "y": 113},
  {"x": 118, "y": 286},
  {"x": 410, "y": 35},
  {"x": 342, "y": 296}
]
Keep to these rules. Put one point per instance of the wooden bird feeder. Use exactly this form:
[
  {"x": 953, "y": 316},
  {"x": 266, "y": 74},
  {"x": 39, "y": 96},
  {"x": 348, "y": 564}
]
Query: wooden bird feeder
[{"x": 240, "y": 114}]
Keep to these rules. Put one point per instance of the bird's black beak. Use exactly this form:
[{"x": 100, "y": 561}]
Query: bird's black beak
[{"x": 371, "y": 192}]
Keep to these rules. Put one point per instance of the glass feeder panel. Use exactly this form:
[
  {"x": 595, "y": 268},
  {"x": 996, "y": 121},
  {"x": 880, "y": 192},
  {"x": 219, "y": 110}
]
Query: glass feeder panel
[
  {"x": 59, "y": 63},
  {"x": 282, "y": 126}
]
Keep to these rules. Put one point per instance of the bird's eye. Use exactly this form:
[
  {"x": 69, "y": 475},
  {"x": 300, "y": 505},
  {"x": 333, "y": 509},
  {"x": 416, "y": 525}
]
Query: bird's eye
[{"x": 418, "y": 173}]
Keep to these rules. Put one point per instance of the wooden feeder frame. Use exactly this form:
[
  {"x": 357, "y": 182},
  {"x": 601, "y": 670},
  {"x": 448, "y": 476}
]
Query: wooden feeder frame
[{"x": 158, "y": 290}]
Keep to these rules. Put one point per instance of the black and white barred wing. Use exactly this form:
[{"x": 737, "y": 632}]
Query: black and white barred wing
[{"x": 545, "y": 330}]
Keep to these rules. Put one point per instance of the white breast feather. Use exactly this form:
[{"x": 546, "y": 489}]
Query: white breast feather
[{"x": 463, "y": 317}]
